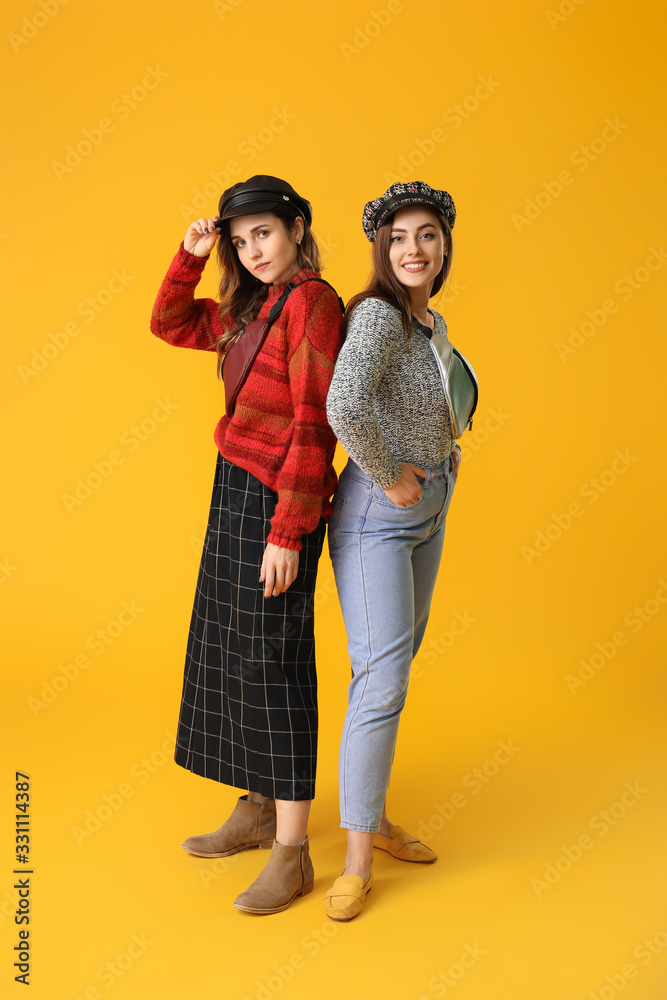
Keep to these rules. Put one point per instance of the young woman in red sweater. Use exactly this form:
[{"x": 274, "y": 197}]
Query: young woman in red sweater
[{"x": 249, "y": 706}]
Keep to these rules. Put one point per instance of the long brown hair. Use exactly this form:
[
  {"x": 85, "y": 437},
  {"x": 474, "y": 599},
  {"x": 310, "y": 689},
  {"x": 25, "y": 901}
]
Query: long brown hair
[
  {"x": 383, "y": 283},
  {"x": 241, "y": 294}
]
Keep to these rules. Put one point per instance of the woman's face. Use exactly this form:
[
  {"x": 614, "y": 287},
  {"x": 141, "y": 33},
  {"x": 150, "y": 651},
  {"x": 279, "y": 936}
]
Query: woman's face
[
  {"x": 416, "y": 247},
  {"x": 265, "y": 247}
]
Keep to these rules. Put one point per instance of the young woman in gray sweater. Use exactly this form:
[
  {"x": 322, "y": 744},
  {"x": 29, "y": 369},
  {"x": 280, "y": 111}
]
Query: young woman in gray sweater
[{"x": 387, "y": 406}]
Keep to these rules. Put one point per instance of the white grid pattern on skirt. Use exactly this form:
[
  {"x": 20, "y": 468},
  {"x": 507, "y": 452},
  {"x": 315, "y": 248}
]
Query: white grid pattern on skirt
[{"x": 248, "y": 713}]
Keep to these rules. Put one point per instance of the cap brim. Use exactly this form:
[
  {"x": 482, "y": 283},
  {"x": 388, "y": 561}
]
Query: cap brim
[
  {"x": 249, "y": 208},
  {"x": 401, "y": 201}
]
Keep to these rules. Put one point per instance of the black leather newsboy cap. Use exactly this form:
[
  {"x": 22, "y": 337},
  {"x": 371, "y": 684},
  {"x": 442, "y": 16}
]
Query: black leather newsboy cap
[{"x": 261, "y": 193}]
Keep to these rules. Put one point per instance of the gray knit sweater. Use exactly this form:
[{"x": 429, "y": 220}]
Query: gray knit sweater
[{"x": 386, "y": 403}]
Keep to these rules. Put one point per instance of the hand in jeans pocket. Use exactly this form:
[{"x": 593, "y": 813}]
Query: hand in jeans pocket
[{"x": 408, "y": 490}]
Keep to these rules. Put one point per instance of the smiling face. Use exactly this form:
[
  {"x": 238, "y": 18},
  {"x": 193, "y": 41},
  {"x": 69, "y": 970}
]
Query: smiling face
[
  {"x": 265, "y": 247},
  {"x": 416, "y": 248}
]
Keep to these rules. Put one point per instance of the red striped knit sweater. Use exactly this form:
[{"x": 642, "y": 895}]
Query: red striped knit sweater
[{"x": 279, "y": 431}]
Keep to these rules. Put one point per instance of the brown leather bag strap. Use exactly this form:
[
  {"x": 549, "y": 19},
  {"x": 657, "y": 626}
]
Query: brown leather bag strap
[
  {"x": 277, "y": 307},
  {"x": 241, "y": 356}
]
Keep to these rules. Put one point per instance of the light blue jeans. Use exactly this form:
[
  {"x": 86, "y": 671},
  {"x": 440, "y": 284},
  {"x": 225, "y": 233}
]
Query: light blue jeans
[{"x": 385, "y": 561}]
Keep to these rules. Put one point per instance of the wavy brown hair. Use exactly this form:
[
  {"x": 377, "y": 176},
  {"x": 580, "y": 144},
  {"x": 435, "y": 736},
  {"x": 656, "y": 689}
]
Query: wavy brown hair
[
  {"x": 383, "y": 283},
  {"x": 241, "y": 294}
]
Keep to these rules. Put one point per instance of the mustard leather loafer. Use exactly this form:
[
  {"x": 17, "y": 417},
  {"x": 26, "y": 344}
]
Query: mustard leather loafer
[
  {"x": 403, "y": 846},
  {"x": 345, "y": 899}
]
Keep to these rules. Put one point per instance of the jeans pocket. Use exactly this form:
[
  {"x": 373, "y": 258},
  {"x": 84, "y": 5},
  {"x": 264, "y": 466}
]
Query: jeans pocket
[
  {"x": 338, "y": 505},
  {"x": 379, "y": 497}
]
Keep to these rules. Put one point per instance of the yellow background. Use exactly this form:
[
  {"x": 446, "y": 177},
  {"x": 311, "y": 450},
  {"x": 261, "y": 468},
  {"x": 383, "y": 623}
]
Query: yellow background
[{"x": 359, "y": 87}]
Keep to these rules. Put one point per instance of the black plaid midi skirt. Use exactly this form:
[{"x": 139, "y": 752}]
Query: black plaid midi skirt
[{"x": 248, "y": 713}]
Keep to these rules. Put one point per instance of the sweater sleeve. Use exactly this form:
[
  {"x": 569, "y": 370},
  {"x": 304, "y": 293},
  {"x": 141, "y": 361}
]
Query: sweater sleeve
[
  {"x": 314, "y": 336},
  {"x": 178, "y": 317},
  {"x": 372, "y": 337}
]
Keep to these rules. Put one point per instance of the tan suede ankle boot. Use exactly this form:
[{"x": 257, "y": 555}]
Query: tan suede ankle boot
[
  {"x": 287, "y": 874},
  {"x": 252, "y": 824}
]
